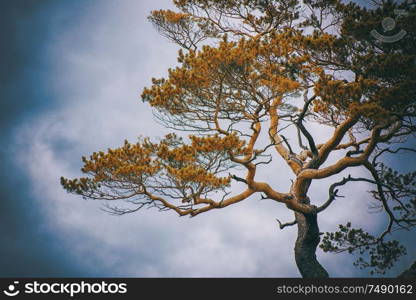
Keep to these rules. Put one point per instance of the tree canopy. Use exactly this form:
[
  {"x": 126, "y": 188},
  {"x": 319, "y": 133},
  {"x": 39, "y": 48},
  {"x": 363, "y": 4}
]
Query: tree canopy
[{"x": 248, "y": 71}]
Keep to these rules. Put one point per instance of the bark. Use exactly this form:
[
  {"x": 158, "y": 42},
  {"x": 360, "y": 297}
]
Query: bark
[{"x": 305, "y": 247}]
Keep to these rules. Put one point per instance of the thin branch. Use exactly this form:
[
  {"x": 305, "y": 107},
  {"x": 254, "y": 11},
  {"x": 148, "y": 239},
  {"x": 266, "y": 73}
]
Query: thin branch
[
  {"x": 302, "y": 128},
  {"x": 391, "y": 151},
  {"x": 392, "y": 218},
  {"x": 333, "y": 193},
  {"x": 283, "y": 225}
]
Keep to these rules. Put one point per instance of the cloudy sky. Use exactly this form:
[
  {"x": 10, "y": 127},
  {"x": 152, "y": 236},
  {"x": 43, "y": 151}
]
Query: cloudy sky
[{"x": 71, "y": 73}]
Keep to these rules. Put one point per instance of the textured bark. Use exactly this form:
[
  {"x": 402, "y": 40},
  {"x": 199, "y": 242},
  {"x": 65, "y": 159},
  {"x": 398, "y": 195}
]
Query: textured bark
[{"x": 305, "y": 247}]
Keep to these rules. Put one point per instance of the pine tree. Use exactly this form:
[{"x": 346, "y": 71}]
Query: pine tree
[{"x": 248, "y": 70}]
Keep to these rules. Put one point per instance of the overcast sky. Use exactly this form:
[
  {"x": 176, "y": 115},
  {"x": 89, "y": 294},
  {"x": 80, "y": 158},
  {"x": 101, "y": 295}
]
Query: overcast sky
[{"x": 71, "y": 76}]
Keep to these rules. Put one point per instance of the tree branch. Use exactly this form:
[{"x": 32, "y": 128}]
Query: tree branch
[
  {"x": 302, "y": 128},
  {"x": 239, "y": 179},
  {"x": 275, "y": 138},
  {"x": 336, "y": 138}
]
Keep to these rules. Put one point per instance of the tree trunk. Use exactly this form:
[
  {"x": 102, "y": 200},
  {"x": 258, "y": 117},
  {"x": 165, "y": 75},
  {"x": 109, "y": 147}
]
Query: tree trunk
[{"x": 305, "y": 247}]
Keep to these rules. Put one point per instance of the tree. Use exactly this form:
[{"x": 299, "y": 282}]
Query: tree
[{"x": 248, "y": 72}]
